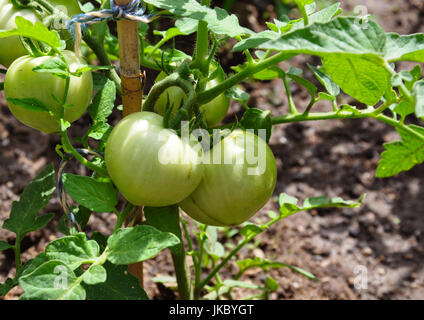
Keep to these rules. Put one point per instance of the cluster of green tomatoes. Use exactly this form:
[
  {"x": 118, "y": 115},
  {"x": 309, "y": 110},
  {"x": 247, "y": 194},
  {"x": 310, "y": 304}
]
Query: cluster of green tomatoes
[{"x": 150, "y": 165}]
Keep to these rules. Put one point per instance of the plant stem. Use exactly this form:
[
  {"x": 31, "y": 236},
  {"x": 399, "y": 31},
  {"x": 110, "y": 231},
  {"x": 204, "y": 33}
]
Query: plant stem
[
  {"x": 250, "y": 70},
  {"x": 101, "y": 54},
  {"x": 70, "y": 149},
  {"x": 17, "y": 250},
  {"x": 182, "y": 273},
  {"x": 202, "y": 44}
]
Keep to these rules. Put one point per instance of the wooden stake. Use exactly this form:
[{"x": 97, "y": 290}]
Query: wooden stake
[
  {"x": 132, "y": 87},
  {"x": 129, "y": 50}
]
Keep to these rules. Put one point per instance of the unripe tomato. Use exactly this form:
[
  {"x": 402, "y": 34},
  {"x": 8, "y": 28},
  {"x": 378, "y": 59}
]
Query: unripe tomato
[
  {"x": 21, "y": 82},
  {"x": 214, "y": 111},
  {"x": 150, "y": 165},
  {"x": 11, "y": 48},
  {"x": 233, "y": 187}
]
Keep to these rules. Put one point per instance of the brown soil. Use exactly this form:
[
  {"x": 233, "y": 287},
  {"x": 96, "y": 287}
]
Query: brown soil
[{"x": 385, "y": 237}]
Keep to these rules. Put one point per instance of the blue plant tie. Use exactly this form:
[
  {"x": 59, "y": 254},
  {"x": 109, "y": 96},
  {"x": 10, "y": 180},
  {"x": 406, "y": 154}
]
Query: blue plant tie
[{"x": 131, "y": 11}]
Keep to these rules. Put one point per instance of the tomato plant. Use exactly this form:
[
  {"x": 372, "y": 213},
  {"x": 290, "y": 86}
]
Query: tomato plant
[
  {"x": 22, "y": 82},
  {"x": 153, "y": 165},
  {"x": 150, "y": 165},
  {"x": 231, "y": 190}
]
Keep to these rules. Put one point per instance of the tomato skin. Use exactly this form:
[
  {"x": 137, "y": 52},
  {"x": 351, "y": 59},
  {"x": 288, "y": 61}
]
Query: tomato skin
[
  {"x": 21, "y": 82},
  {"x": 228, "y": 195},
  {"x": 11, "y": 48},
  {"x": 214, "y": 111},
  {"x": 133, "y": 159}
]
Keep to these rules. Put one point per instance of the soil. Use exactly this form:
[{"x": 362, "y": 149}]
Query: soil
[{"x": 375, "y": 252}]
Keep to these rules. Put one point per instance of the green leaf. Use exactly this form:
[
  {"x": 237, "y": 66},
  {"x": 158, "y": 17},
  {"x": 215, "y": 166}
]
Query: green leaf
[
  {"x": 166, "y": 219},
  {"x": 23, "y": 217},
  {"x": 404, "y": 48},
  {"x": 328, "y": 83},
  {"x": 240, "y": 284},
  {"x": 29, "y": 104},
  {"x": 419, "y": 98},
  {"x": 95, "y": 195},
  {"x": 271, "y": 284},
  {"x": 364, "y": 78},
  {"x": 7, "y": 286},
  {"x": 119, "y": 285},
  {"x": 4, "y": 245},
  {"x": 402, "y": 155},
  {"x": 73, "y": 250},
  {"x": 219, "y": 21},
  {"x": 38, "y": 31},
  {"x": 187, "y": 25},
  {"x": 94, "y": 275},
  {"x": 52, "y": 280},
  {"x": 237, "y": 94},
  {"x": 257, "y": 120},
  {"x": 139, "y": 243},
  {"x": 54, "y": 66},
  {"x": 404, "y": 108},
  {"x": 250, "y": 230},
  {"x": 100, "y": 110}
]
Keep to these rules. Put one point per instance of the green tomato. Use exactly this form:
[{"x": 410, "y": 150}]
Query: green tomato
[
  {"x": 21, "y": 82},
  {"x": 11, "y": 48},
  {"x": 150, "y": 165},
  {"x": 234, "y": 187},
  {"x": 214, "y": 111}
]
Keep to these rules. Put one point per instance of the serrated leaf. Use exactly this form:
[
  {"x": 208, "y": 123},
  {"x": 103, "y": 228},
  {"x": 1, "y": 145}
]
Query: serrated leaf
[
  {"x": 139, "y": 243},
  {"x": 119, "y": 285},
  {"x": 404, "y": 47},
  {"x": 166, "y": 219},
  {"x": 37, "y": 31},
  {"x": 73, "y": 250},
  {"x": 23, "y": 217},
  {"x": 95, "y": 195},
  {"x": 237, "y": 94},
  {"x": 94, "y": 275},
  {"x": 53, "y": 280},
  {"x": 219, "y": 21},
  {"x": 401, "y": 155}
]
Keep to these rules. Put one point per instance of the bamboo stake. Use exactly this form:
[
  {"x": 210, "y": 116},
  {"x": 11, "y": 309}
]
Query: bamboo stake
[
  {"x": 129, "y": 50},
  {"x": 132, "y": 88}
]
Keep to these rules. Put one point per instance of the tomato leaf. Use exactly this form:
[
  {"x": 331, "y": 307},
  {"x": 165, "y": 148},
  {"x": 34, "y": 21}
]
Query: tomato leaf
[
  {"x": 54, "y": 66},
  {"x": 94, "y": 275},
  {"x": 23, "y": 217},
  {"x": 29, "y": 104},
  {"x": 53, "y": 280},
  {"x": 419, "y": 99},
  {"x": 73, "y": 250},
  {"x": 332, "y": 88},
  {"x": 8, "y": 285},
  {"x": 95, "y": 195},
  {"x": 37, "y": 31},
  {"x": 119, "y": 285},
  {"x": 166, "y": 219},
  {"x": 219, "y": 21},
  {"x": 401, "y": 155},
  {"x": 139, "y": 243}
]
